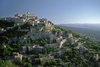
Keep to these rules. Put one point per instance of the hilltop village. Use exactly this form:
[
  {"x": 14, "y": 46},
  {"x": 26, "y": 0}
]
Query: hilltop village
[{"x": 29, "y": 40}]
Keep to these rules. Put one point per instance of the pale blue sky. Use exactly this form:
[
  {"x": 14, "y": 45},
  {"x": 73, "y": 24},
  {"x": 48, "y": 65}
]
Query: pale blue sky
[{"x": 57, "y": 11}]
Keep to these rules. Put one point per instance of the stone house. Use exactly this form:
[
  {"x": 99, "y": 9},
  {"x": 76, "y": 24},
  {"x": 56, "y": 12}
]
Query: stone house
[
  {"x": 31, "y": 23},
  {"x": 52, "y": 45},
  {"x": 57, "y": 39},
  {"x": 17, "y": 56},
  {"x": 82, "y": 49},
  {"x": 30, "y": 48},
  {"x": 38, "y": 48},
  {"x": 95, "y": 57},
  {"x": 9, "y": 19},
  {"x": 69, "y": 35},
  {"x": 73, "y": 39},
  {"x": 60, "y": 37},
  {"x": 24, "y": 48},
  {"x": 44, "y": 59},
  {"x": 60, "y": 33},
  {"x": 28, "y": 16}
]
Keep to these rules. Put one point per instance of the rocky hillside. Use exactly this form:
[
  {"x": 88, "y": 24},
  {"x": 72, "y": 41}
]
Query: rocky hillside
[{"x": 42, "y": 45}]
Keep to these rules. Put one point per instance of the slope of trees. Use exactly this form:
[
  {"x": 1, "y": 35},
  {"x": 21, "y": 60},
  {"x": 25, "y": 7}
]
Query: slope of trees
[{"x": 4, "y": 24}]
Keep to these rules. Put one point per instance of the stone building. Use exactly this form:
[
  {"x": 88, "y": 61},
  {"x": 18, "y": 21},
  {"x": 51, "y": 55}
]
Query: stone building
[
  {"x": 82, "y": 49},
  {"x": 28, "y": 16},
  {"x": 73, "y": 39},
  {"x": 24, "y": 48},
  {"x": 30, "y": 48},
  {"x": 69, "y": 35},
  {"x": 38, "y": 48},
  {"x": 44, "y": 59},
  {"x": 52, "y": 45},
  {"x": 17, "y": 56}
]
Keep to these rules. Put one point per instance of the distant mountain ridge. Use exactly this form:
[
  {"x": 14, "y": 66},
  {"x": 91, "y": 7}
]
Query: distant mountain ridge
[
  {"x": 89, "y": 26},
  {"x": 93, "y": 33}
]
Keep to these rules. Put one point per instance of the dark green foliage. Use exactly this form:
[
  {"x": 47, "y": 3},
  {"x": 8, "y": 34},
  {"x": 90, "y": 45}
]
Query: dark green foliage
[
  {"x": 15, "y": 46},
  {"x": 4, "y": 24},
  {"x": 19, "y": 62},
  {"x": 70, "y": 44},
  {"x": 36, "y": 56},
  {"x": 5, "y": 51},
  {"x": 1, "y": 62},
  {"x": 56, "y": 56},
  {"x": 28, "y": 65},
  {"x": 3, "y": 39},
  {"x": 33, "y": 26},
  {"x": 92, "y": 45},
  {"x": 59, "y": 60},
  {"x": 40, "y": 41},
  {"x": 10, "y": 33},
  {"x": 8, "y": 63},
  {"x": 76, "y": 57},
  {"x": 50, "y": 63},
  {"x": 24, "y": 26}
]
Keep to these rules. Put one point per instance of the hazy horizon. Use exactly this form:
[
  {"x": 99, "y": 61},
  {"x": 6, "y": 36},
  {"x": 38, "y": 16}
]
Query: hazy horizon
[{"x": 57, "y": 11}]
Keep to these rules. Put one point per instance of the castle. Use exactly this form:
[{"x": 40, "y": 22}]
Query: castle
[{"x": 20, "y": 19}]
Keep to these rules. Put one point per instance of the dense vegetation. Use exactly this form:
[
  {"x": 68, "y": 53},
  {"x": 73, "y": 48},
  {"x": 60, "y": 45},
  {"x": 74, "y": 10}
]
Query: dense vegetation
[
  {"x": 76, "y": 58},
  {"x": 95, "y": 46},
  {"x": 4, "y": 24}
]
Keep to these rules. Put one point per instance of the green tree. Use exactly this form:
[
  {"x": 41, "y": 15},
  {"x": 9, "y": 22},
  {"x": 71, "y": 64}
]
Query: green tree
[
  {"x": 53, "y": 62},
  {"x": 70, "y": 31},
  {"x": 59, "y": 60},
  {"x": 28, "y": 65},
  {"x": 1, "y": 62},
  {"x": 8, "y": 63},
  {"x": 5, "y": 51}
]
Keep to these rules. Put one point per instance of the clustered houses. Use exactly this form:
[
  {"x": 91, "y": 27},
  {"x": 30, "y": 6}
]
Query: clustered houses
[
  {"x": 30, "y": 48},
  {"x": 56, "y": 39},
  {"x": 20, "y": 19}
]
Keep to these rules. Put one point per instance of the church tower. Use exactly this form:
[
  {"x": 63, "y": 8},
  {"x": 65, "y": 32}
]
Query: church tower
[{"x": 28, "y": 13}]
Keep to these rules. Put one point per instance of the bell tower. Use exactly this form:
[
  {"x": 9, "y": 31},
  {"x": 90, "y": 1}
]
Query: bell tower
[{"x": 28, "y": 13}]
